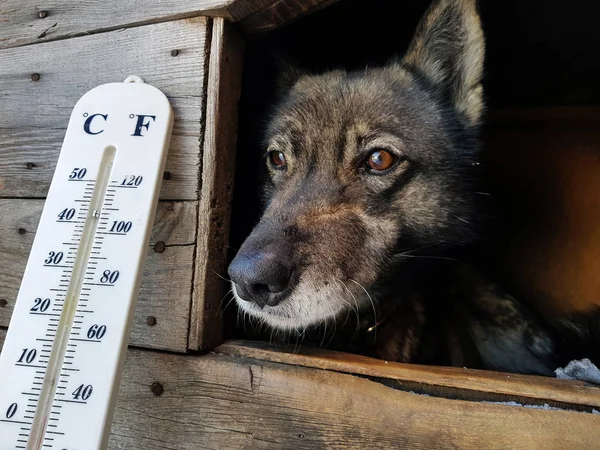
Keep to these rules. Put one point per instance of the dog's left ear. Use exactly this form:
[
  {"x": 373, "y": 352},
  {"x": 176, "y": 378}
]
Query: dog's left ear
[
  {"x": 288, "y": 70},
  {"x": 448, "y": 49}
]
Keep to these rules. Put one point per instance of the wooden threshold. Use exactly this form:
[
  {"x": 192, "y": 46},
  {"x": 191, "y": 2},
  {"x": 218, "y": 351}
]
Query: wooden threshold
[
  {"x": 187, "y": 402},
  {"x": 448, "y": 382}
]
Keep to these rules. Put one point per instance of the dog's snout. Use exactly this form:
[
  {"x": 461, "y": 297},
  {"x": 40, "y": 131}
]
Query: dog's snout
[{"x": 260, "y": 277}]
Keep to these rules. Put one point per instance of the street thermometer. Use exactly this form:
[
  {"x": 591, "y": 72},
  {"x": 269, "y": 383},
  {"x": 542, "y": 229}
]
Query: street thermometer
[{"x": 61, "y": 362}]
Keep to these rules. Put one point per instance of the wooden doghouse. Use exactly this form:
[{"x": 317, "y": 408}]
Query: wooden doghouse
[{"x": 183, "y": 387}]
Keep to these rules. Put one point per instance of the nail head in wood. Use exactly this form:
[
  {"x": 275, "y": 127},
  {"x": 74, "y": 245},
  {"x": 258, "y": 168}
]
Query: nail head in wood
[
  {"x": 35, "y": 77},
  {"x": 156, "y": 388},
  {"x": 159, "y": 247},
  {"x": 174, "y": 52},
  {"x": 151, "y": 320},
  {"x": 43, "y": 14},
  {"x": 3, "y": 303},
  {"x": 22, "y": 231},
  {"x": 30, "y": 166},
  {"x": 166, "y": 175}
]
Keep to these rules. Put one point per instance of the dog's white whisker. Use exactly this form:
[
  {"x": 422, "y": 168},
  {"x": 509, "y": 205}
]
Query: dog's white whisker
[
  {"x": 357, "y": 330},
  {"x": 371, "y": 300},
  {"x": 222, "y": 312},
  {"x": 445, "y": 258},
  {"x": 324, "y": 333},
  {"x": 221, "y": 276},
  {"x": 354, "y": 308},
  {"x": 230, "y": 291},
  {"x": 333, "y": 319},
  {"x": 407, "y": 252}
]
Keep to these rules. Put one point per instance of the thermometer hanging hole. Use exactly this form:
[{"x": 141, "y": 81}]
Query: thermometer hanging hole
[{"x": 133, "y": 79}]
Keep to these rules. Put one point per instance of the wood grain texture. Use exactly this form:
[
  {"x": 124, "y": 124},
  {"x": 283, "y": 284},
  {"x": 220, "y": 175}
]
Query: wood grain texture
[
  {"x": 61, "y": 19},
  {"x": 451, "y": 381},
  {"x": 35, "y": 114},
  {"x": 22, "y": 25},
  {"x": 218, "y": 166},
  {"x": 281, "y": 13},
  {"x": 216, "y": 401},
  {"x": 166, "y": 283}
]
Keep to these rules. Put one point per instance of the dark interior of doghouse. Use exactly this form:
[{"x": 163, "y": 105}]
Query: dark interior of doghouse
[{"x": 539, "y": 54}]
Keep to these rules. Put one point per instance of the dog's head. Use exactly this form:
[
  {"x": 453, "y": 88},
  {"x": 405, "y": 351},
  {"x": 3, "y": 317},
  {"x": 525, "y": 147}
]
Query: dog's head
[{"x": 363, "y": 167}]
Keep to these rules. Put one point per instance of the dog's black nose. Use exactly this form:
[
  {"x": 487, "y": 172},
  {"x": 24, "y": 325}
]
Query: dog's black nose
[{"x": 260, "y": 277}]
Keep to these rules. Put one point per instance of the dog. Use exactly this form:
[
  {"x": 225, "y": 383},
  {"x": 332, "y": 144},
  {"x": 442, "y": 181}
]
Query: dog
[{"x": 372, "y": 192}]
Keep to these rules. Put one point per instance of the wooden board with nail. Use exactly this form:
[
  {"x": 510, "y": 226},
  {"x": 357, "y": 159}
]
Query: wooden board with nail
[
  {"x": 167, "y": 280},
  {"x": 175, "y": 57},
  {"x": 247, "y": 402}
]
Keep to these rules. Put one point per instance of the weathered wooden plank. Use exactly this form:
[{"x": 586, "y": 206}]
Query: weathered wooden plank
[
  {"x": 222, "y": 402},
  {"x": 28, "y": 158},
  {"x": 29, "y": 23},
  {"x": 166, "y": 283},
  {"x": 213, "y": 401},
  {"x": 35, "y": 114},
  {"x": 24, "y": 23},
  {"x": 281, "y": 13},
  {"x": 218, "y": 166},
  {"x": 33, "y": 22},
  {"x": 474, "y": 384}
]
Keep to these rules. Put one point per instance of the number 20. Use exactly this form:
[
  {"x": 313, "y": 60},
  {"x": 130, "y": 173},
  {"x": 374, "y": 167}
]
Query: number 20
[{"x": 41, "y": 305}]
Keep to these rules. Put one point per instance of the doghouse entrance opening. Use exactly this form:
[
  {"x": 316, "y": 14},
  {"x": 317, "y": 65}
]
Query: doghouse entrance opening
[{"x": 542, "y": 147}]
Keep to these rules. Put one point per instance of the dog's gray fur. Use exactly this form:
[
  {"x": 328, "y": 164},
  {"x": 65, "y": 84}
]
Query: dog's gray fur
[{"x": 355, "y": 238}]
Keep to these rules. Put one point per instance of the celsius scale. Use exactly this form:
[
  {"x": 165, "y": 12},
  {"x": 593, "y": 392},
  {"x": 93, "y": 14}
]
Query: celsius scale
[{"x": 61, "y": 362}]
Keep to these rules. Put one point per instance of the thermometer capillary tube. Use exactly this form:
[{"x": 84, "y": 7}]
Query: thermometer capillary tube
[{"x": 57, "y": 355}]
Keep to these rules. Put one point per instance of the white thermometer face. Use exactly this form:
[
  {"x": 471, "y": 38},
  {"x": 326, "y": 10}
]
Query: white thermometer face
[{"x": 61, "y": 361}]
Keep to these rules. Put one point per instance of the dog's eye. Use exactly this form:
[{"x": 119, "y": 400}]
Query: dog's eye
[
  {"x": 277, "y": 160},
  {"x": 380, "y": 160}
]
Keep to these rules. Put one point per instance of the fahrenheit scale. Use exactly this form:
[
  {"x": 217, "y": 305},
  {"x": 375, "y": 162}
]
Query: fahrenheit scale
[{"x": 61, "y": 362}]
